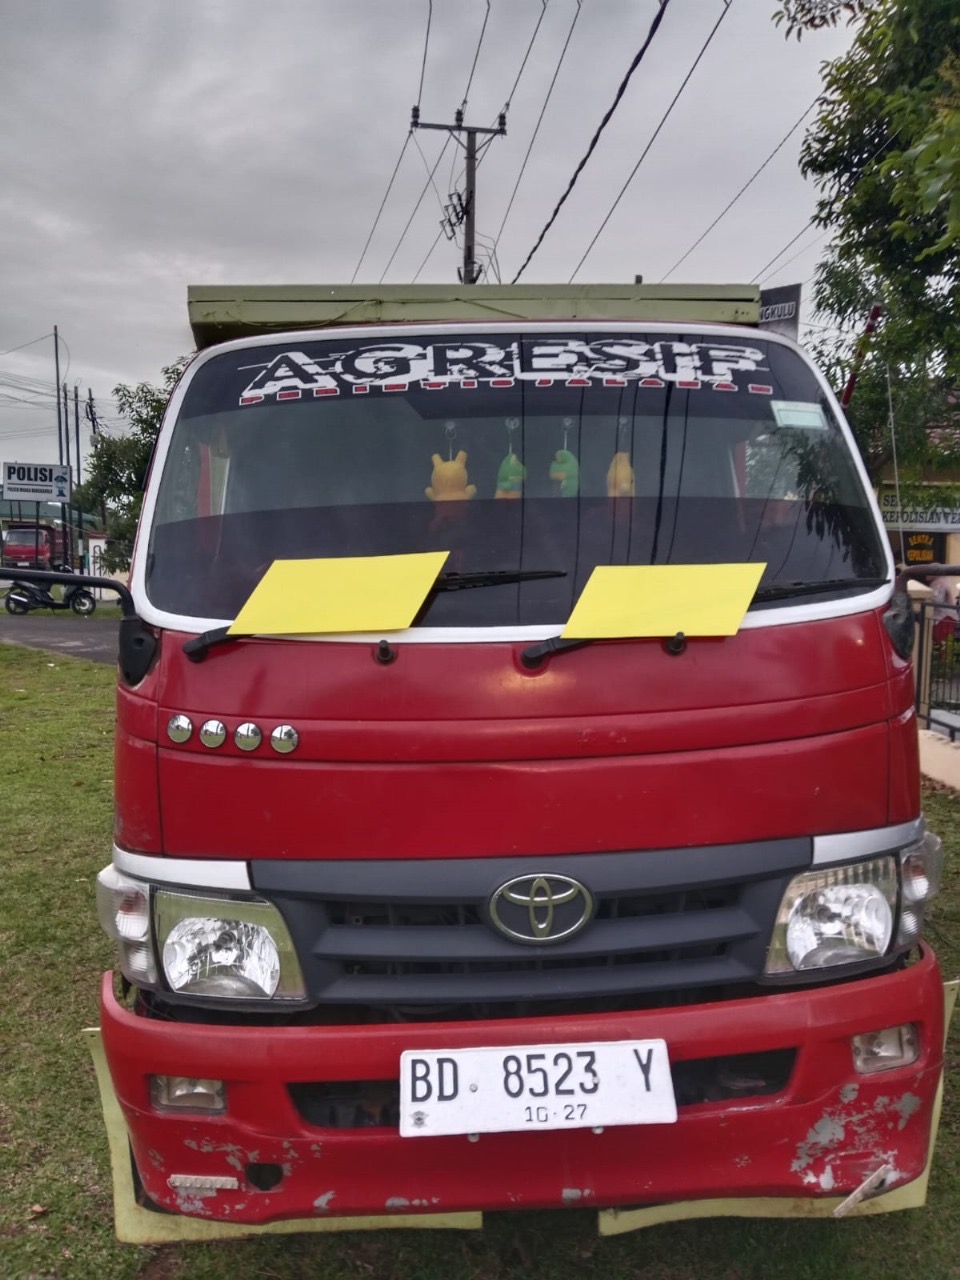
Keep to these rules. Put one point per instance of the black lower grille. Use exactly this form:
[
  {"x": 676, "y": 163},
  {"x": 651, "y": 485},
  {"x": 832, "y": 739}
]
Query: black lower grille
[
  {"x": 422, "y": 935},
  {"x": 375, "y": 1104}
]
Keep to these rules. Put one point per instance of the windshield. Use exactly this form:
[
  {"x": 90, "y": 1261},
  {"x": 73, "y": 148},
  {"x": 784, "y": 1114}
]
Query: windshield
[
  {"x": 555, "y": 451},
  {"x": 27, "y": 538}
]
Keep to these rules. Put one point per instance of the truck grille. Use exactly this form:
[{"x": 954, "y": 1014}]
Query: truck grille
[{"x": 417, "y": 935}]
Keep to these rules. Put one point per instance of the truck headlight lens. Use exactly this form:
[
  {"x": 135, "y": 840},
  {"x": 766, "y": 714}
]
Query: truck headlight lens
[
  {"x": 835, "y": 916},
  {"x": 225, "y": 948},
  {"x": 123, "y": 906}
]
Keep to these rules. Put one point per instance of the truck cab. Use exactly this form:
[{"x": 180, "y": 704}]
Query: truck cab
[{"x": 468, "y": 911}]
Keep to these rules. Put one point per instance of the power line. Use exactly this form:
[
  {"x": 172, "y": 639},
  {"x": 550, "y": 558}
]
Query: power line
[
  {"x": 43, "y": 338},
  {"x": 654, "y": 26},
  {"x": 483, "y": 29},
  {"x": 406, "y": 143},
  {"x": 430, "y": 172},
  {"x": 812, "y": 219},
  {"x": 799, "y": 254},
  {"x": 396, "y": 167},
  {"x": 763, "y": 271},
  {"x": 426, "y": 42},
  {"x": 723, "y": 213},
  {"x": 543, "y": 10},
  {"x": 428, "y": 257},
  {"x": 663, "y": 121},
  {"x": 563, "y": 53},
  {"x": 426, "y": 188}
]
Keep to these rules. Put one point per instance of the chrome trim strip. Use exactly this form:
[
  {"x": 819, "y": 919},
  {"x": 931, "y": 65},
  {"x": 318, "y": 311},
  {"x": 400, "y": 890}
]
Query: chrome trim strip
[
  {"x": 850, "y": 845},
  {"x": 206, "y": 873}
]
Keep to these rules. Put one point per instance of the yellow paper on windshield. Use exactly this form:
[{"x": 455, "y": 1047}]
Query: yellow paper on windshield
[
  {"x": 352, "y": 593},
  {"x": 662, "y": 599}
]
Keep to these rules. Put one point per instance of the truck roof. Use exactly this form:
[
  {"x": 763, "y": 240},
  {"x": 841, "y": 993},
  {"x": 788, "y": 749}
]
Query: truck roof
[{"x": 219, "y": 313}]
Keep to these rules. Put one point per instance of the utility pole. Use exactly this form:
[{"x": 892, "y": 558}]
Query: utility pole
[
  {"x": 68, "y": 528},
  {"x": 76, "y": 428},
  {"x": 465, "y": 210},
  {"x": 63, "y": 509}
]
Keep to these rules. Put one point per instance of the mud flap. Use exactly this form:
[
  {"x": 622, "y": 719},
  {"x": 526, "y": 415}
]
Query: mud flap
[
  {"x": 869, "y": 1200},
  {"x": 135, "y": 1224}
]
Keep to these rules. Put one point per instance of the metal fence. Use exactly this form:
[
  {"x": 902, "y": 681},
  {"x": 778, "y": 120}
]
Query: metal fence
[{"x": 936, "y": 658}]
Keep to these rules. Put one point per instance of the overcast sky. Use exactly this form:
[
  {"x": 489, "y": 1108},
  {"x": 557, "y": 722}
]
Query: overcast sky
[{"x": 149, "y": 144}]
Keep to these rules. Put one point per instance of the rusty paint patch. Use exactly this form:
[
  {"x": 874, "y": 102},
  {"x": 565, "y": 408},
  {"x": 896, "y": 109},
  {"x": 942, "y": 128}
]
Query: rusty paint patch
[
  {"x": 825, "y": 1135},
  {"x": 192, "y": 1203},
  {"x": 907, "y": 1106},
  {"x": 236, "y": 1157}
]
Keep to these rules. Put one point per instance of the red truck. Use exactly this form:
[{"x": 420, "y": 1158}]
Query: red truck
[
  {"x": 34, "y": 546},
  {"x": 466, "y": 913}
]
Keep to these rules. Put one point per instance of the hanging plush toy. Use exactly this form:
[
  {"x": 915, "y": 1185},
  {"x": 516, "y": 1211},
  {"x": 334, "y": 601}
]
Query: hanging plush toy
[
  {"x": 621, "y": 482},
  {"x": 565, "y": 469},
  {"x": 449, "y": 480},
  {"x": 510, "y": 477},
  {"x": 512, "y": 472}
]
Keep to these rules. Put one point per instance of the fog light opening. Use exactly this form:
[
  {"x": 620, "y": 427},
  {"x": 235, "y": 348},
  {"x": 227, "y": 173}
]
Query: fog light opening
[
  {"x": 884, "y": 1050},
  {"x": 186, "y": 1093},
  {"x": 264, "y": 1176}
]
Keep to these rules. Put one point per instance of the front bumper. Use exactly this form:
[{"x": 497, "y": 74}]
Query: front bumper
[{"x": 818, "y": 1140}]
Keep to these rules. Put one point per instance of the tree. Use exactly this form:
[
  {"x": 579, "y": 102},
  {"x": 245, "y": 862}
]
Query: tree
[
  {"x": 808, "y": 15},
  {"x": 117, "y": 469},
  {"x": 936, "y": 159},
  {"x": 884, "y": 152}
]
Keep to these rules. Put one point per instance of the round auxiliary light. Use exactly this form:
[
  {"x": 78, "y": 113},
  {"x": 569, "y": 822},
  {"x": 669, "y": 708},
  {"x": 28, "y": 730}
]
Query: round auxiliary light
[
  {"x": 248, "y": 736},
  {"x": 213, "y": 733},
  {"x": 284, "y": 738},
  {"x": 179, "y": 728}
]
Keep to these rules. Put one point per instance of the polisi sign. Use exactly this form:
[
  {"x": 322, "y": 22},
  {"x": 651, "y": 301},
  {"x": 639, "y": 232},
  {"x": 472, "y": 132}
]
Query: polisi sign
[{"x": 36, "y": 482}]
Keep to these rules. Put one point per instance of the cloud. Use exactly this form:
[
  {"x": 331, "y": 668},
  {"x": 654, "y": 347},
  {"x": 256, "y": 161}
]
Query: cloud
[{"x": 168, "y": 142}]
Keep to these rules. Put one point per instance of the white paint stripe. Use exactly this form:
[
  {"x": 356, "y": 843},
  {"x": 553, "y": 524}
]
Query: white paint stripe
[
  {"x": 850, "y": 845},
  {"x": 206, "y": 873}
]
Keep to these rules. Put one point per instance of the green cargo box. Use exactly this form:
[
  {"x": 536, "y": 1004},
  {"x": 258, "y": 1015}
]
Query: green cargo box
[{"x": 221, "y": 312}]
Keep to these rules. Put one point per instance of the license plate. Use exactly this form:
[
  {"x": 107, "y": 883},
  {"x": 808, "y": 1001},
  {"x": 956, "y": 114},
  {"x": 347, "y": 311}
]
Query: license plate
[{"x": 540, "y": 1086}]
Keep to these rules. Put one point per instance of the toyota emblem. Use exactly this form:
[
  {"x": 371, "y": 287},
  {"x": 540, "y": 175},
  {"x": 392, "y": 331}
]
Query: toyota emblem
[{"x": 541, "y": 908}]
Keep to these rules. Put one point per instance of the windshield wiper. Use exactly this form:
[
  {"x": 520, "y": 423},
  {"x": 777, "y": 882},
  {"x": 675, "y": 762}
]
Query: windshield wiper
[
  {"x": 534, "y": 654},
  {"x": 787, "y": 589},
  {"x": 197, "y": 648},
  {"x": 492, "y": 578}
]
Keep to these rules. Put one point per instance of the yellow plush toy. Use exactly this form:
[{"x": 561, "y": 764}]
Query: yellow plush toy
[
  {"x": 621, "y": 482},
  {"x": 450, "y": 480}
]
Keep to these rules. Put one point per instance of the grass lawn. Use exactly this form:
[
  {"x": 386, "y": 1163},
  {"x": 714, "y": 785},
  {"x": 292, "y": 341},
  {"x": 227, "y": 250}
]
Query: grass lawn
[{"x": 56, "y": 725}]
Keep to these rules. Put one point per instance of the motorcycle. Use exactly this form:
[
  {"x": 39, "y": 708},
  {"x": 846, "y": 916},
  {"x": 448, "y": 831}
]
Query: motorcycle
[{"x": 23, "y": 597}]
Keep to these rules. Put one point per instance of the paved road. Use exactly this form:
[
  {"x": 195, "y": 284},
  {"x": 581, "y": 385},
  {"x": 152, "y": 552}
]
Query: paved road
[{"x": 94, "y": 638}]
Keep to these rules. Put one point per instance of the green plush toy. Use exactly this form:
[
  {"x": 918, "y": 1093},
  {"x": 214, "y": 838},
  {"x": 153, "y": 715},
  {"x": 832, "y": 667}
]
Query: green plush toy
[
  {"x": 510, "y": 477},
  {"x": 566, "y": 469}
]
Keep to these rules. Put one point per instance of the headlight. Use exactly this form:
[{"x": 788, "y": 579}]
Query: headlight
[
  {"x": 225, "y": 948},
  {"x": 835, "y": 916},
  {"x": 231, "y": 948}
]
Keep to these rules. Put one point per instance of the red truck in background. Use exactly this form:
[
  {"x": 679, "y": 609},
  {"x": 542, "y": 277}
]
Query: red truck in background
[
  {"x": 34, "y": 546},
  {"x": 469, "y": 915}
]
